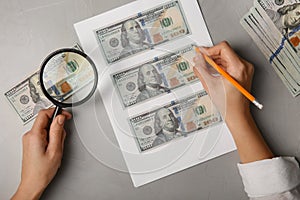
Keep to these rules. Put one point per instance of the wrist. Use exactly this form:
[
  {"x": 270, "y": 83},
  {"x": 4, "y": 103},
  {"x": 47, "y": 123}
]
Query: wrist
[
  {"x": 237, "y": 114},
  {"x": 26, "y": 192},
  {"x": 235, "y": 106}
]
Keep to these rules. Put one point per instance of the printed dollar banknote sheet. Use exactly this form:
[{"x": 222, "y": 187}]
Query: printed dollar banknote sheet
[{"x": 162, "y": 118}]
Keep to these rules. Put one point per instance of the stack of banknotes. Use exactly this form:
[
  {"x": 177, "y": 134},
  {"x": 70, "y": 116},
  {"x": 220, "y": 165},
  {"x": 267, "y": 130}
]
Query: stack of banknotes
[
  {"x": 27, "y": 97},
  {"x": 274, "y": 25}
]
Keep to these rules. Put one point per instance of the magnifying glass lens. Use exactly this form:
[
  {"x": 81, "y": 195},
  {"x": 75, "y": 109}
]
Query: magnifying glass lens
[{"x": 68, "y": 78}]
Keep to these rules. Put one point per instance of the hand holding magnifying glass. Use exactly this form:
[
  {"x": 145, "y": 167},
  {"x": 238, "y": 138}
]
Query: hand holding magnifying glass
[{"x": 68, "y": 77}]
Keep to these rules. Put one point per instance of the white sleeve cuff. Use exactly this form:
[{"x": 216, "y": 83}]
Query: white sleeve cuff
[{"x": 270, "y": 176}]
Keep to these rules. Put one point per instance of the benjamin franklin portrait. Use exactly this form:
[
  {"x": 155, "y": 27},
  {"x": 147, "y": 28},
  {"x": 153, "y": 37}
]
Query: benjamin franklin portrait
[
  {"x": 149, "y": 83},
  {"x": 132, "y": 38},
  {"x": 166, "y": 126}
]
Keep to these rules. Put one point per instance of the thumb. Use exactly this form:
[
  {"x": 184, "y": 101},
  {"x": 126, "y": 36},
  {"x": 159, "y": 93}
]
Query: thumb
[
  {"x": 56, "y": 134},
  {"x": 202, "y": 72},
  {"x": 198, "y": 75}
]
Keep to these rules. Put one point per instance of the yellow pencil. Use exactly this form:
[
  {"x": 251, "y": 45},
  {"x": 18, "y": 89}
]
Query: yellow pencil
[{"x": 231, "y": 80}]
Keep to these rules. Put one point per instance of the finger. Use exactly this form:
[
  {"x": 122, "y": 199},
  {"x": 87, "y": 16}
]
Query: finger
[
  {"x": 225, "y": 56},
  {"x": 66, "y": 114},
  {"x": 218, "y": 49},
  {"x": 213, "y": 52},
  {"x": 212, "y": 71},
  {"x": 202, "y": 72},
  {"x": 200, "y": 65},
  {"x": 56, "y": 134},
  {"x": 220, "y": 62},
  {"x": 196, "y": 72},
  {"x": 222, "y": 51},
  {"x": 63, "y": 139},
  {"x": 42, "y": 120}
]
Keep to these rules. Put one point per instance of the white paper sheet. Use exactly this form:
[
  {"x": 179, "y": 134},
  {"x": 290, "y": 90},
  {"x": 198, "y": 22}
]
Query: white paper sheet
[{"x": 176, "y": 155}]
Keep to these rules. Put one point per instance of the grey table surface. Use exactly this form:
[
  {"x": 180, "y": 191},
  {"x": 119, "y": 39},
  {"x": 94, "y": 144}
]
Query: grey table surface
[{"x": 32, "y": 29}]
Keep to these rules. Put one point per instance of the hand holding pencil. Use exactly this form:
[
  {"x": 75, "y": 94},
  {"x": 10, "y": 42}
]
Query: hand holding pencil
[{"x": 222, "y": 88}]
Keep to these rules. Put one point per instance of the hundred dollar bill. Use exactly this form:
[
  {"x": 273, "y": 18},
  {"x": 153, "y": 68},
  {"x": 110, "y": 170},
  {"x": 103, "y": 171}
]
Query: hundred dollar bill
[
  {"x": 78, "y": 47},
  {"x": 178, "y": 119},
  {"x": 27, "y": 97},
  {"x": 66, "y": 75},
  {"x": 142, "y": 31},
  {"x": 156, "y": 77}
]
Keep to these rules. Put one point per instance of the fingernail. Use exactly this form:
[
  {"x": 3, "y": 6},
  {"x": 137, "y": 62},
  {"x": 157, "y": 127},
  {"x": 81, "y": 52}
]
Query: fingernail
[{"x": 61, "y": 119}]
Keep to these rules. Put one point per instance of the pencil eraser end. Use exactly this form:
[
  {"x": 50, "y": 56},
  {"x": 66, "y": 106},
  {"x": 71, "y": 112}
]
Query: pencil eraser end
[{"x": 257, "y": 104}]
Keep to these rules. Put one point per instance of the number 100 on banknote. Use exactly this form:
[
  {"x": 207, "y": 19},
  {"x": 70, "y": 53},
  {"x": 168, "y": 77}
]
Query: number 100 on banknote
[{"x": 143, "y": 31}]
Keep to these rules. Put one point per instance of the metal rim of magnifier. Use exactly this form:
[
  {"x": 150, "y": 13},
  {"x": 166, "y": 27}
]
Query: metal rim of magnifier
[{"x": 60, "y": 104}]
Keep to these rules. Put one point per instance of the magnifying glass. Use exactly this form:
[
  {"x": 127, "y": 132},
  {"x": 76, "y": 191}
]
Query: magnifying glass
[{"x": 68, "y": 77}]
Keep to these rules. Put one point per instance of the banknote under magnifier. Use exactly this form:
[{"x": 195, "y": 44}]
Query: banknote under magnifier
[{"x": 68, "y": 77}]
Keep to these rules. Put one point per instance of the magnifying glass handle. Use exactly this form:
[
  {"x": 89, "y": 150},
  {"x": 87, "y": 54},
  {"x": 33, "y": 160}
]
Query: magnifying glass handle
[{"x": 57, "y": 111}]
